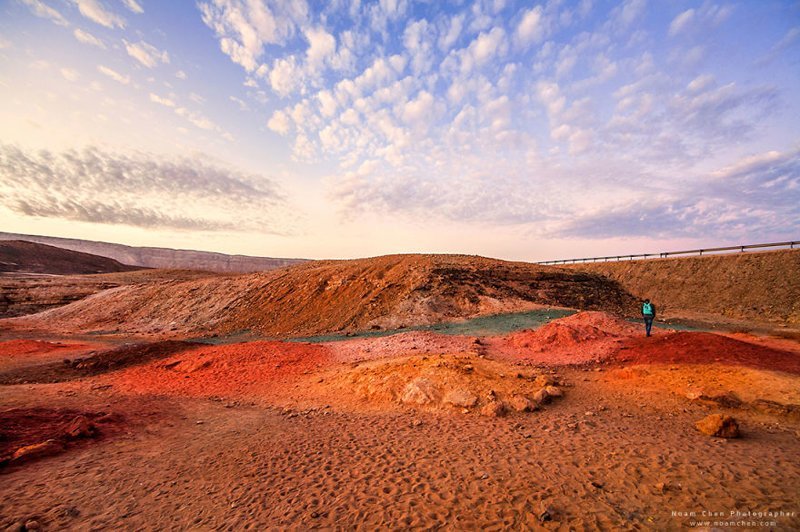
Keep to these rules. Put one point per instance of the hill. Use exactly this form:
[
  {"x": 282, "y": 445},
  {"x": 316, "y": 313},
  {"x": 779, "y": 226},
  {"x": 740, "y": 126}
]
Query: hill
[
  {"x": 152, "y": 257},
  {"x": 761, "y": 286},
  {"x": 338, "y": 296},
  {"x": 32, "y": 257},
  {"x": 22, "y": 294}
]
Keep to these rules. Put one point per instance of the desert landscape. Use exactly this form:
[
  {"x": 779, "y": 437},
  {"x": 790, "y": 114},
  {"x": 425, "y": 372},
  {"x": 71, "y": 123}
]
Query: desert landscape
[
  {"x": 399, "y": 265},
  {"x": 404, "y": 391}
]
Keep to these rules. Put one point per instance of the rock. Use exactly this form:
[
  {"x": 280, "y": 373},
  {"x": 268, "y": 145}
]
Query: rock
[
  {"x": 552, "y": 391},
  {"x": 545, "y": 380},
  {"x": 416, "y": 423},
  {"x": 493, "y": 409},
  {"x": 32, "y": 524},
  {"x": 718, "y": 425},
  {"x": 468, "y": 367},
  {"x": 520, "y": 403},
  {"x": 461, "y": 397},
  {"x": 37, "y": 450},
  {"x": 541, "y": 397},
  {"x": 588, "y": 413},
  {"x": 80, "y": 427},
  {"x": 420, "y": 391}
]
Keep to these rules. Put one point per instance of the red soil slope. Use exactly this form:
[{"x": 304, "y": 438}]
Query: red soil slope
[
  {"x": 707, "y": 348},
  {"x": 321, "y": 297}
]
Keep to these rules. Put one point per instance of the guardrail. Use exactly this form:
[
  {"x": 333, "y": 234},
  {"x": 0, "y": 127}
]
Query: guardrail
[{"x": 665, "y": 254}]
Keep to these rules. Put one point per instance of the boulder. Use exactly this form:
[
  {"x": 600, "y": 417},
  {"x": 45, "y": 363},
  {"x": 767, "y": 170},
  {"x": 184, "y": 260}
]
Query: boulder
[
  {"x": 461, "y": 397},
  {"x": 420, "y": 391},
  {"x": 493, "y": 409},
  {"x": 718, "y": 425},
  {"x": 520, "y": 403}
]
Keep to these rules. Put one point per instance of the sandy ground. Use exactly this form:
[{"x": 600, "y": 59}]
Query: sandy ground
[{"x": 287, "y": 445}]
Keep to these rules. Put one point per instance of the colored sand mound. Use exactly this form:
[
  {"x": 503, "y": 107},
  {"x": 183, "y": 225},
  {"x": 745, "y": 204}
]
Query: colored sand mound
[
  {"x": 224, "y": 370},
  {"x": 567, "y": 333},
  {"x": 577, "y": 339},
  {"x": 705, "y": 348}
]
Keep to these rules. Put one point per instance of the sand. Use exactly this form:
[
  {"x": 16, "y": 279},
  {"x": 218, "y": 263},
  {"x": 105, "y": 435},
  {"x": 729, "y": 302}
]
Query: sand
[{"x": 281, "y": 435}]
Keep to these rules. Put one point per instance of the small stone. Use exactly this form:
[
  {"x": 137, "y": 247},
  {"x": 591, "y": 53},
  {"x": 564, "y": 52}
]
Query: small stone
[
  {"x": 588, "y": 413},
  {"x": 541, "y": 397},
  {"x": 199, "y": 422},
  {"x": 80, "y": 427},
  {"x": 484, "y": 476},
  {"x": 552, "y": 391},
  {"x": 417, "y": 423},
  {"x": 718, "y": 425},
  {"x": 32, "y": 524},
  {"x": 314, "y": 515},
  {"x": 545, "y": 513},
  {"x": 545, "y": 380},
  {"x": 596, "y": 484}
]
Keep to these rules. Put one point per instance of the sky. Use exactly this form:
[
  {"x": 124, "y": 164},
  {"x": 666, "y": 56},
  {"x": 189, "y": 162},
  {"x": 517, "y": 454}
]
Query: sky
[{"x": 517, "y": 130}]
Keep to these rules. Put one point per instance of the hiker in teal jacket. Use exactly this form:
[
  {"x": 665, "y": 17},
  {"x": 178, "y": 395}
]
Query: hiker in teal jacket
[{"x": 649, "y": 314}]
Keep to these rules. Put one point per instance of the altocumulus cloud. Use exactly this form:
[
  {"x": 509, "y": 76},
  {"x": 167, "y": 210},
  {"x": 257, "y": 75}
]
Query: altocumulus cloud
[
  {"x": 139, "y": 190},
  {"x": 757, "y": 198}
]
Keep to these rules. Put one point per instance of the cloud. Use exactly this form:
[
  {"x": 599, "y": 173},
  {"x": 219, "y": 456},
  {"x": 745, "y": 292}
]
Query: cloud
[
  {"x": 244, "y": 27},
  {"x": 40, "y": 9},
  {"x": 113, "y": 74},
  {"x": 680, "y": 22},
  {"x": 530, "y": 29},
  {"x": 70, "y": 74},
  {"x": 279, "y": 123},
  {"x": 88, "y": 38},
  {"x": 166, "y": 102},
  {"x": 134, "y": 6},
  {"x": 95, "y": 11},
  {"x": 137, "y": 189},
  {"x": 180, "y": 74},
  {"x": 146, "y": 54},
  {"x": 757, "y": 198}
]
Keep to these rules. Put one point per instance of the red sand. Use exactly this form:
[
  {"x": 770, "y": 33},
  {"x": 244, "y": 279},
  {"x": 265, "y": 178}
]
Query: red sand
[
  {"x": 12, "y": 348},
  {"x": 705, "y": 348},
  {"x": 223, "y": 370}
]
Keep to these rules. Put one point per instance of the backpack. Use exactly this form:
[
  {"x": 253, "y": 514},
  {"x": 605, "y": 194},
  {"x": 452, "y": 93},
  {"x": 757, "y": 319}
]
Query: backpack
[{"x": 647, "y": 309}]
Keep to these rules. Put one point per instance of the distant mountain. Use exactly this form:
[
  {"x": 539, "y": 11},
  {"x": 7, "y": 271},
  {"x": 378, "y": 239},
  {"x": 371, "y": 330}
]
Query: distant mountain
[
  {"x": 151, "y": 257},
  {"x": 32, "y": 257}
]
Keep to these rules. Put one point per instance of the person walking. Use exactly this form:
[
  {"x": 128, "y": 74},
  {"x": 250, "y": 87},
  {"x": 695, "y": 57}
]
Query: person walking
[{"x": 649, "y": 314}]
